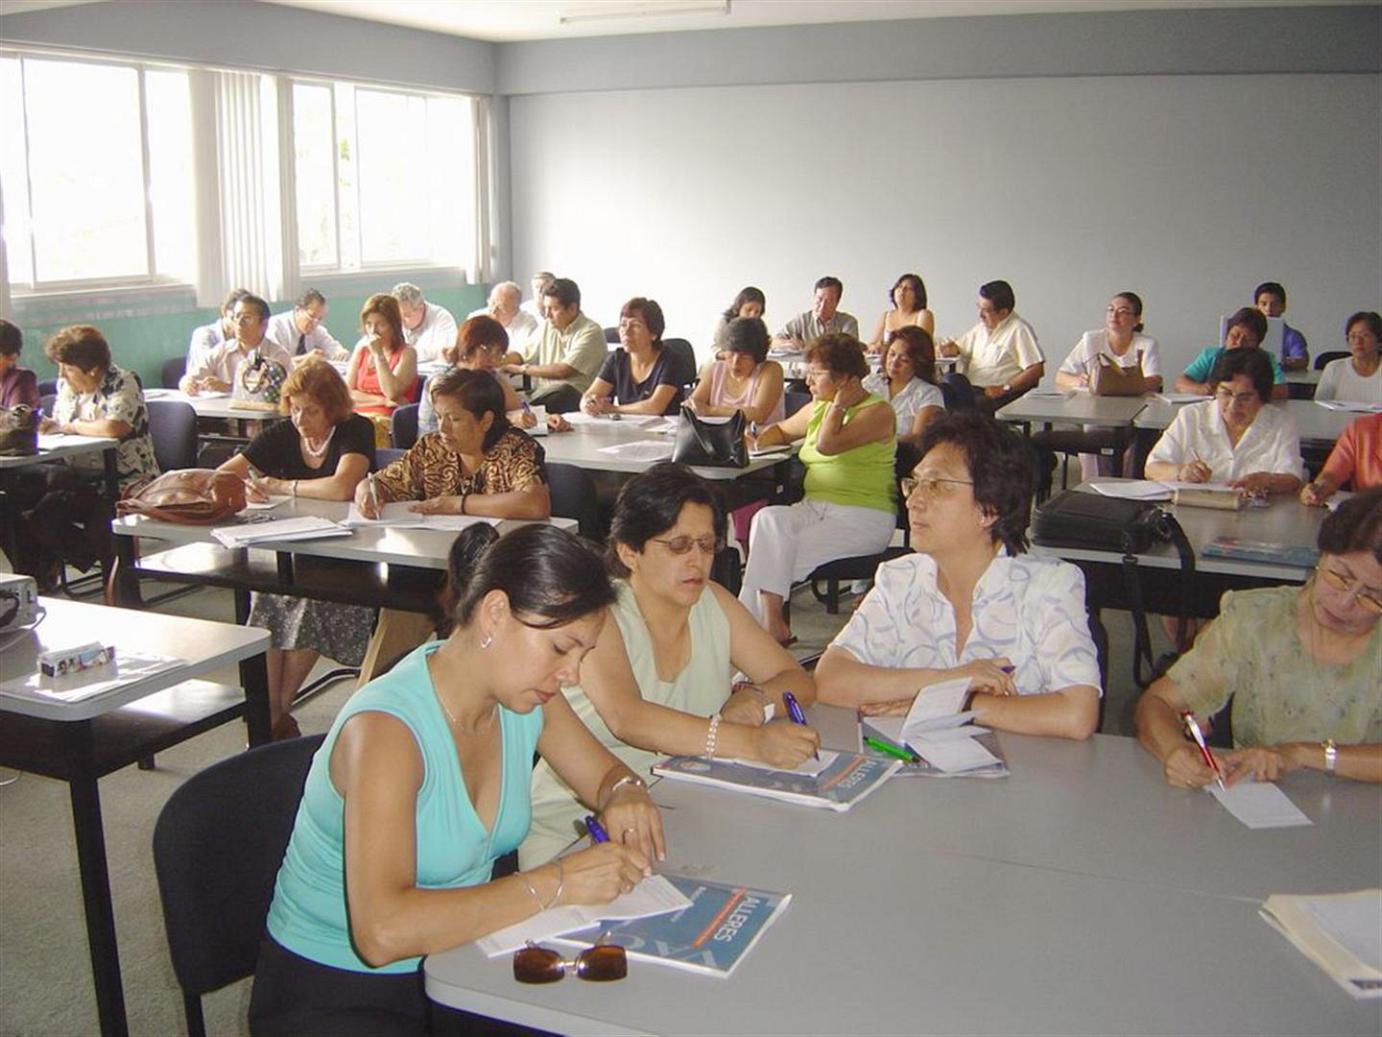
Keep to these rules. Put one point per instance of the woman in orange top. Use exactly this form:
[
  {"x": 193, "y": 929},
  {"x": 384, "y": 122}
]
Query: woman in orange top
[
  {"x": 383, "y": 369},
  {"x": 1356, "y": 458}
]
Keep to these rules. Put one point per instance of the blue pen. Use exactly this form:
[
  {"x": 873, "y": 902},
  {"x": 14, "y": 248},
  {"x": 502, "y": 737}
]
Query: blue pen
[
  {"x": 794, "y": 711},
  {"x": 596, "y": 830}
]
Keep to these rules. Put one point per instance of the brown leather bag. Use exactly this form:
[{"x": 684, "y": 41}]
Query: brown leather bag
[
  {"x": 189, "y": 497},
  {"x": 18, "y": 431},
  {"x": 1108, "y": 379}
]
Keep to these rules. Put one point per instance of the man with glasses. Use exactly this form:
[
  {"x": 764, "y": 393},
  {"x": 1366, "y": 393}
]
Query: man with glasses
[
  {"x": 1001, "y": 354},
  {"x": 504, "y": 307},
  {"x": 300, "y": 332},
  {"x": 215, "y": 372},
  {"x": 565, "y": 355},
  {"x": 209, "y": 336},
  {"x": 428, "y": 328}
]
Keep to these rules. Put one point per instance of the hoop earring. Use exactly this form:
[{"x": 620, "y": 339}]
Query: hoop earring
[{"x": 489, "y": 640}]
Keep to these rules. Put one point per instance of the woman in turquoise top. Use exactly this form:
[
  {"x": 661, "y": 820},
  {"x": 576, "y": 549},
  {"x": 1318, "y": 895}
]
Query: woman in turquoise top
[
  {"x": 659, "y": 682},
  {"x": 422, "y": 783},
  {"x": 850, "y": 507}
]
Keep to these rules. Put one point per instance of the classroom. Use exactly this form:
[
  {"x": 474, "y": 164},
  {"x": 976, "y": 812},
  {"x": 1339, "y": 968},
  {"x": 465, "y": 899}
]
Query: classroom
[{"x": 340, "y": 160}]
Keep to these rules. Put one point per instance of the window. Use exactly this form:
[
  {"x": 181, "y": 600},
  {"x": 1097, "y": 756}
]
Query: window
[
  {"x": 93, "y": 165},
  {"x": 384, "y": 177}
]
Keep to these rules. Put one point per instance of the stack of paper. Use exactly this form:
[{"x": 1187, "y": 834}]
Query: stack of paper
[
  {"x": 653, "y": 896},
  {"x": 1350, "y": 405},
  {"x": 641, "y": 450},
  {"x": 1342, "y": 934},
  {"x": 126, "y": 669},
  {"x": 942, "y": 735},
  {"x": 1180, "y": 397},
  {"x": 305, "y": 528}
]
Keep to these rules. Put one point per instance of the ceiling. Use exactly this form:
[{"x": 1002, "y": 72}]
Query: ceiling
[{"x": 512, "y": 20}]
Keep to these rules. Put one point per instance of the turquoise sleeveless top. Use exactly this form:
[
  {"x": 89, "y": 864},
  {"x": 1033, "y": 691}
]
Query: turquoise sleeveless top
[
  {"x": 862, "y": 477},
  {"x": 308, "y": 914}
]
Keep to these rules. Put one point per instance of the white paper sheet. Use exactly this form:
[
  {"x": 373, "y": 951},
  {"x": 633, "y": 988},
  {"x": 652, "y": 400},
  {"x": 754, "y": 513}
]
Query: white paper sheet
[
  {"x": 640, "y": 450},
  {"x": 268, "y": 505},
  {"x": 1133, "y": 489},
  {"x": 303, "y": 528},
  {"x": 653, "y": 896},
  {"x": 936, "y": 707},
  {"x": 1259, "y": 804},
  {"x": 808, "y": 767},
  {"x": 395, "y": 513},
  {"x": 951, "y": 751}
]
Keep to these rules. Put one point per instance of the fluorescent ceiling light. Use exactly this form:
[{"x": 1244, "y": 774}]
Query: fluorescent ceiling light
[{"x": 612, "y": 11}]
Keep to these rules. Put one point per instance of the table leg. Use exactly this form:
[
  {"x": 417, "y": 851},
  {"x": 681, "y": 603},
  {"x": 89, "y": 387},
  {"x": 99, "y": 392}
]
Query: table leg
[
  {"x": 254, "y": 678},
  {"x": 8, "y": 502},
  {"x": 100, "y": 915},
  {"x": 122, "y": 583}
]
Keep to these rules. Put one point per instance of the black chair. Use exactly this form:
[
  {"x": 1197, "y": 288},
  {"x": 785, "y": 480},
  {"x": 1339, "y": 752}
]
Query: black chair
[
  {"x": 46, "y": 400},
  {"x": 172, "y": 371},
  {"x": 403, "y": 426},
  {"x": 573, "y": 496},
  {"x": 48, "y": 387},
  {"x": 385, "y": 456},
  {"x": 793, "y": 402},
  {"x": 612, "y": 336},
  {"x": 683, "y": 360},
  {"x": 218, "y": 845},
  {"x": 1325, "y": 358},
  {"x": 957, "y": 392},
  {"x": 173, "y": 427}
]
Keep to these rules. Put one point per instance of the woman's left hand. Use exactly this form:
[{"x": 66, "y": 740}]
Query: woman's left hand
[
  {"x": 850, "y": 393},
  {"x": 632, "y": 818},
  {"x": 437, "y": 506},
  {"x": 744, "y": 706},
  {"x": 1257, "y": 484},
  {"x": 1261, "y": 763}
]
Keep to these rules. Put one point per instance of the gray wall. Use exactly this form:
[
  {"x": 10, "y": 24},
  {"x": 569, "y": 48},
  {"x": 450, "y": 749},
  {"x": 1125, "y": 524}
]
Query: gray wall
[
  {"x": 1188, "y": 188},
  {"x": 268, "y": 37}
]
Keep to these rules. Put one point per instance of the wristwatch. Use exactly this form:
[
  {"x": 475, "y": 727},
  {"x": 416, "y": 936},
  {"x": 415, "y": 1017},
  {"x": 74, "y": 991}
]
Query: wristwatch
[
  {"x": 1007, "y": 387},
  {"x": 1331, "y": 755}
]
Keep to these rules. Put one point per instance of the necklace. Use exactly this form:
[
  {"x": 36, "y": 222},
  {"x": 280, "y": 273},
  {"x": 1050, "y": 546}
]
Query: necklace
[
  {"x": 319, "y": 451},
  {"x": 455, "y": 724}
]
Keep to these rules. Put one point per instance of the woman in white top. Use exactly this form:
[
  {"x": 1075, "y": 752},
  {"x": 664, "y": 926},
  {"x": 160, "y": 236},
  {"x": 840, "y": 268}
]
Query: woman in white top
[
  {"x": 970, "y": 603},
  {"x": 1234, "y": 438},
  {"x": 746, "y": 380},
  {"x": 659, "y": 680},
  {"x": 1356, "y": 378},
  {"x": 908, "y": 382},
  {"x": 908, "y": 296}
]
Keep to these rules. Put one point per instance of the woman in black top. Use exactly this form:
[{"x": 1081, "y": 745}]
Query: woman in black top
[
  {"x": 640, "y": 377},
  {"x": 322, "y": 452}
]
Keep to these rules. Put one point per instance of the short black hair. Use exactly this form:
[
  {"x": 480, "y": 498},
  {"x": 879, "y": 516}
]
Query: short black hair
[
  {"x": 1251, "y": 362},
  {"x": 920, "y": 349},
  {"x": 232, "y": 297},
  {"x": 649, "y": 311},
  {"x": 1249, "y": 317},
  {"x": 746, "y": 296},
  {"x": 1355, "y": 525},
  {"x": 548, "y": 574},
  {"x": 999, "y": 460},
  {"x": 307, "y": 298},
  {"x": 476, "y": 391},
  {"x": 918, "y": 286},
  {"x": 1000, "y": 293},
  {"x": 250, "y": 299},
  {"x": 650, "y": 504},
  {"x": 566, "y": 291},
  {"x": 1368, "y": 317},
  {"x": 748, "y": 335},
  {"x": 831, "y": 282},
  {"x": 11, "y": 339},
  {"x": 1271, "y": 288}
]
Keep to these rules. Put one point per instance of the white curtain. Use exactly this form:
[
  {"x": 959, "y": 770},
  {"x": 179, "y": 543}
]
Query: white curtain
[
  {"x": 245, "y": 217},
  {"x": 479, "y": 266},
  {"x": 6, "y": 303}
]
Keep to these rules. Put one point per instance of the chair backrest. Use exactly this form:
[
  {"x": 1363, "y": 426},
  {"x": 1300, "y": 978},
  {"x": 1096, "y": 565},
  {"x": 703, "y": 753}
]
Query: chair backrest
[
  {"x": 684, "y": 359},
  {"x": 794, "y": 401},
  {"x": 218, "y": 844},
  {"x": 1325, "y": 358},
  {"x": 173, "y": 427},
  {"x": 385, "y": 456},
  {"x": 957, "y": 392},
  {"x": 612, "y": 336},
  {"x": 573, "y": 496},
  {"x": 46, "y": 401},
  {"x": 172, "y": 371},
  {"x": 403, "y": 426}
]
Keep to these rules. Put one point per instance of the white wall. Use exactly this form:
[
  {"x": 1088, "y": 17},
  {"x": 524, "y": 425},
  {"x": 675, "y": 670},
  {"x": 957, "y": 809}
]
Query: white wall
[{"x": 1187, "y": 189}]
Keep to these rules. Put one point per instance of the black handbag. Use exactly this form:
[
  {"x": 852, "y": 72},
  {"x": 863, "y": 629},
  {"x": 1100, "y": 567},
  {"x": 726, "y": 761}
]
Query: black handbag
[
  {"x": 18, "y": 431},
  {"x": 714, "y": 444}
]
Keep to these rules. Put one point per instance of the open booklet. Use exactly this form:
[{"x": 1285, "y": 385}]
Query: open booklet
[
  {"x": 937, "y": 732},
  {"x": 841, "y": 783},
  {"x": 711, "y": 935},
  {"x": 1341, "y": 933},
  {"x": 1303, "y": 556},
  {"x": 306, "y": 527}
]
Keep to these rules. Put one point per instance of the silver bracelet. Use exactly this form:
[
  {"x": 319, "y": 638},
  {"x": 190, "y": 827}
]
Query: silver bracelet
[
  {"x": 531, "y": 891},
  {"x": 627, "y": 779},
  {"x": 711, "y": 735},
  {"x": 561, "y": 884}
]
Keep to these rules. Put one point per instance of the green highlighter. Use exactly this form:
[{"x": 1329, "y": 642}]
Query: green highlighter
[{"x": 888, "y": 749}]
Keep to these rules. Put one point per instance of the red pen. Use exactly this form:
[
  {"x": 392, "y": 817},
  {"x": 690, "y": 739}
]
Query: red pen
[{"x": 1192, "y": 725}]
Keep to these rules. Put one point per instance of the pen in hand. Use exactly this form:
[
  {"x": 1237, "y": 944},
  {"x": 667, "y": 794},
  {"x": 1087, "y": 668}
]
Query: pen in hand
[
  {"x": 798, "y": 717},
  {"x": 1193, "y": 726},
  {"x": 596, "y": 830},
  {"x": 373, "y": 494}
]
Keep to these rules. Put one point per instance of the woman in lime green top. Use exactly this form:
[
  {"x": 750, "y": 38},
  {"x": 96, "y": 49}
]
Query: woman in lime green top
[{"x": 850, "y": 440}]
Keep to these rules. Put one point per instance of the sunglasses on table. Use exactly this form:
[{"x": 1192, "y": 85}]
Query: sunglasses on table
[{"x": 600, "y": 964}]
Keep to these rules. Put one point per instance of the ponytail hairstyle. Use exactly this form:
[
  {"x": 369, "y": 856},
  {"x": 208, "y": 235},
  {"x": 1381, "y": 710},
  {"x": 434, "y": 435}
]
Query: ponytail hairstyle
[
  {"x": 1135, "y": 301},
  {"x": 550, "y": 577}
]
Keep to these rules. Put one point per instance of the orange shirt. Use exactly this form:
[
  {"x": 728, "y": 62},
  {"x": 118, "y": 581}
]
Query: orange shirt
[{"x": 1357, "y": 456}]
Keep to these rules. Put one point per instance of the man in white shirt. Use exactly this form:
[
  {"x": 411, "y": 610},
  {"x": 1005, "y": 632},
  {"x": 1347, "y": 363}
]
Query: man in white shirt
[
  {"x": 300, "y": 332},
  {"x": 428, "y": 328},
  {"x": 1001, "y": 354},
  {"x": 215, "y": 372},
  {"x": 504, "y": 307},
  {"x": 565, "y": 355},
  {"x": 823, "y": 318},
  {"x": 209, "y": 336},
  {"x": 534, "y": 307}
]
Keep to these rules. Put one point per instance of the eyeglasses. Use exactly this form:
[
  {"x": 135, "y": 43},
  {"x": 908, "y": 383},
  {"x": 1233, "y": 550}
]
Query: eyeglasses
[
  {"x": 1236, "y": 397},
  {"x": 1349, "y": 586},
  {"x": 600, "y": 964},
  {"x": 681, "y": 545},
  {"x": 310, "y": 317},
  {"x": 931, "y": 488}
]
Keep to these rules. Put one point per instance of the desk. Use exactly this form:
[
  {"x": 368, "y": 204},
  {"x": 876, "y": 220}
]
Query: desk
[
  {"x": 51, "y": 448},
  {"x": 1080, "y": 895},
  {"x": 82, "y": 741},
  {"x": 581, "y": 447},
  {"x": 1115, "y": 413}
]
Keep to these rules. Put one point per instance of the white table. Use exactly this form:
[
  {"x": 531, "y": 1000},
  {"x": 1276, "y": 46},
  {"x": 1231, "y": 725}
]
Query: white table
[
  {"x": 1079, "y": 895},
  {"x": 80, "y": 742},
  {"x": 582, "y": 447},
  {"x": 215, "y": 407},
  {"x": 1112, "y": 413}
]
